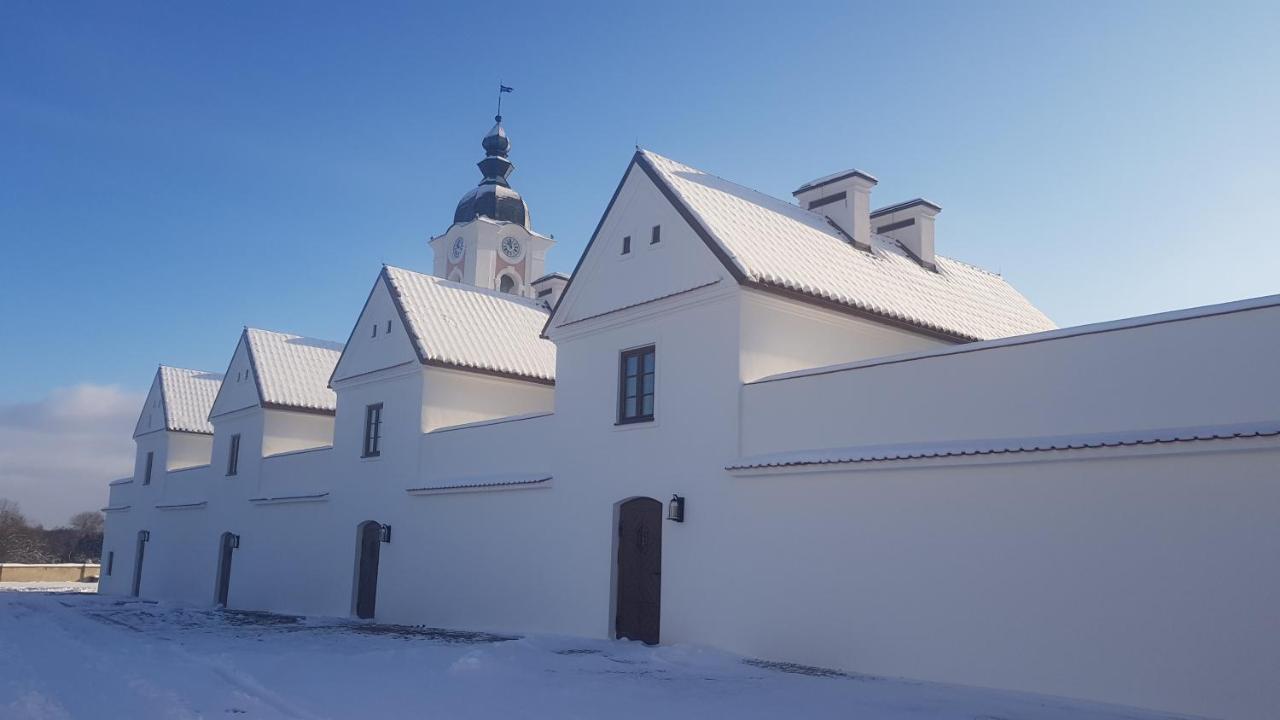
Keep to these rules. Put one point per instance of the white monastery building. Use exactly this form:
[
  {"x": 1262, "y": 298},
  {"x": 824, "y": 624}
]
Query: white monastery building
[{"x": 789, "y": 429}]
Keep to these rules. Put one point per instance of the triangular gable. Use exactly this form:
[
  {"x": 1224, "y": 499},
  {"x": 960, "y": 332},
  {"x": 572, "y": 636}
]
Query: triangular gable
[
  {"x": 151, "y": 418},
  {"x": 380, "y": 338},
  {"x": 464, "y": 327},
  {"x": 607, "y": 280},
  {"x": 240, "y": 383}
]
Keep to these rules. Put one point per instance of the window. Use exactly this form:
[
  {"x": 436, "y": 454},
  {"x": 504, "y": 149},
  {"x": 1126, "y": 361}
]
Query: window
[
  {"x": 626, "y": 245},
  {"x": 375, "y": 330},
  {"x": 372, "y": 430},
  {"x": 388, "y": 327},
  {"x": 146, "y": 471},
  {"x": 233, "y": 455},
  {"x": 635, "y": 385},
  {"x": 507, "y": 284},
  {"x": 111, "y": 562},
  {"x": 657, "y": 235}
]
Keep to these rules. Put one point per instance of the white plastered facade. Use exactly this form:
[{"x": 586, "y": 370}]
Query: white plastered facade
[{"x": 1139, "y": 573}]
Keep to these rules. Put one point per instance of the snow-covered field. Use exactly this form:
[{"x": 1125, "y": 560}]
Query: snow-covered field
[{"x": 65, "y": 653}]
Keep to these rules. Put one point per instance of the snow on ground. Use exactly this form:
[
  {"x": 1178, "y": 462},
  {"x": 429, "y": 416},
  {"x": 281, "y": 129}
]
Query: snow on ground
[{"x": 67, "y": 654}]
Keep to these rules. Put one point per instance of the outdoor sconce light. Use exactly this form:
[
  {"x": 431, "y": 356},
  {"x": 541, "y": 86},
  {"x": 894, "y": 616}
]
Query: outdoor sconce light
[
  {"x": 386, "y": 534},
  {"x": 675, "y": 509}
]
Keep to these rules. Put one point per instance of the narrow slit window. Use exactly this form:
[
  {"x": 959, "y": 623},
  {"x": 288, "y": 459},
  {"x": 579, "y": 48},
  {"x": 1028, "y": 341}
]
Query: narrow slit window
[
  {"x": 636, "y": 374},
  {"x": 372, "y": 430},
  {"x": 388, "y": 327},
  {"x": 233, "y": 456},
  {"x": 375, "y": 330},
  {"x": 111, "y": 562},
  {"x": 626, "y": 245},
  {"x": 146, "y": 471},
  {"x": 657, "y": 235}
]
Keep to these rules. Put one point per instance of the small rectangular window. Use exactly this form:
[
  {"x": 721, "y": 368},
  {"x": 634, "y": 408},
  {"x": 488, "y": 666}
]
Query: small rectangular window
[
  {"x": 626, "y": 245},
  {"x": 111, "y": 562},
  {"x": 636, "y": 373},
  {"x": 375, "y": 330},
  {"x": 372, "y": 430},
  {"x": 233, "y": 456},
  {"x": 146, "y": 471},
  {"x": 657, "y": 235},
  {"x": 388, "y": 327}
]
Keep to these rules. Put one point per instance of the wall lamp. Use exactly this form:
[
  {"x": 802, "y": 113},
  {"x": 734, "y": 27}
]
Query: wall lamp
[
  {"x": 386, "y": 533},
  {"x": 675, "y": 508}
]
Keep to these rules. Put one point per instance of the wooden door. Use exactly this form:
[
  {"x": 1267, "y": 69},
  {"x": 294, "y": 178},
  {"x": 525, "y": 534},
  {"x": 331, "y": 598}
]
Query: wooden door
[
  {"x": 367, "y": 575},
  {"x": 224, "y": 567},
  {"x": 639, "y": 590},
  {"x": 143, "y": 537}
]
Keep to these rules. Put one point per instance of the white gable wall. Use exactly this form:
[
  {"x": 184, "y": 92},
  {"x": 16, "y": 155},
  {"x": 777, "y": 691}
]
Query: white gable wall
[
  {"x": 366, "y": 351},
  {"x": 152, "y": 417},
  {"x": 608, "y": 280},
  {"x": 238, "y": 389}
]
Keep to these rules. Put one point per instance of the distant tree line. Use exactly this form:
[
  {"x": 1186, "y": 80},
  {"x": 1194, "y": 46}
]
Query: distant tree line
[{"x": 80, "y": 540}]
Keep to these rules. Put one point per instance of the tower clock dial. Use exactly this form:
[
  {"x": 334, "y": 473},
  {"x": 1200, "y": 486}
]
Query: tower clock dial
[
  {"x": 511, "y": 247},
  {"x": 459, "y": 247}
]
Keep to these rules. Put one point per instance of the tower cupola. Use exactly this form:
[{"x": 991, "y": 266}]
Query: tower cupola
[{"x": 494, "y": 198}]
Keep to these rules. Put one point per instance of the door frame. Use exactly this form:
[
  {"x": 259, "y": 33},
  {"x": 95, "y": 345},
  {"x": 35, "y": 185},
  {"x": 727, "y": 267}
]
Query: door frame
[
  {"x": 222, "y": 578},
  {"x": 359, "y": 556},
  {"x": 614, "y": 532},
  {"x": 139, "y": 555}
]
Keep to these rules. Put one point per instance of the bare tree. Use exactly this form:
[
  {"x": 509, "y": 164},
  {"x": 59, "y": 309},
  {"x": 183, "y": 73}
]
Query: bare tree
[
  {"x": 88, "y": 522},
  {"x": 19, "y": 542}
]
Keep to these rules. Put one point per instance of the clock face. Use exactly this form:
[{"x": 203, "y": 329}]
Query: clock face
[
  {"x": 459, "y": 247},
  {"x": 511, "y": 247}
]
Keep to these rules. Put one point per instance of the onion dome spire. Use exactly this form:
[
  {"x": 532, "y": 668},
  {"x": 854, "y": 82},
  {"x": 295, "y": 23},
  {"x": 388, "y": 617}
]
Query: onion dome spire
[{"x": 494, "y": 198}]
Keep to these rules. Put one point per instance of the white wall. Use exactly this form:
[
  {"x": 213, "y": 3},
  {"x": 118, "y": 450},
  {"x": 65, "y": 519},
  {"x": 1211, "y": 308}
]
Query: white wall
[
  {"x": 1195, "y": 372},
  {"x": 780, "y": 335},
  {"x": 454, "y": 397},
  {"x": 288, "y": 431},
  {"x": 1137, "y": 578},
  {"x": 187, "y": 450}
]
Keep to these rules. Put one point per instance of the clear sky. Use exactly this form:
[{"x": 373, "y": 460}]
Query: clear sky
[{"x": 170, "y": 172}]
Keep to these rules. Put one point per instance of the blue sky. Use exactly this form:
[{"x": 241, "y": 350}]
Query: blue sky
[{"x": 170, "y": 172}]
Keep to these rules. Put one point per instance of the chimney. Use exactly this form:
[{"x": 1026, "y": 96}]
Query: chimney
[
  {"x": 845, "y": 199},
  {"x": 910, "y": 223},
  {"x": 548, "y": 288}
]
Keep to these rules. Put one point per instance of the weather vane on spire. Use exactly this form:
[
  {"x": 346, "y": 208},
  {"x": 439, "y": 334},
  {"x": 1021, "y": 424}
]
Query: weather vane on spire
[{"x": 501, "y": 89}]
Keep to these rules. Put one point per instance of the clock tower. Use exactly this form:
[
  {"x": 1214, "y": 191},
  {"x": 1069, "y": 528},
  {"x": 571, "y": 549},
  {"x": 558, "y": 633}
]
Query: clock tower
[{"x": 490, "y": 243}]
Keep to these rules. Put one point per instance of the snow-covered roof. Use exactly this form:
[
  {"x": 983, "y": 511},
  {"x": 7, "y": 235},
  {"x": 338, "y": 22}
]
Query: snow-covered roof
[
  {"x": 187, "y": 396},
  {"x": 776, "y": 245},
  {"x": 293, "y": 371},
  {"x": 463, "y": 326}
]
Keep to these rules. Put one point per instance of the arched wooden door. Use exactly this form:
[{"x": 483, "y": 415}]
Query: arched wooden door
[
  {"x": 227, "y": 547},
  {"x": 639, "y": 572},
  {"x": 367, "y": 569},
  {"x": 144, "y": 536}
]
